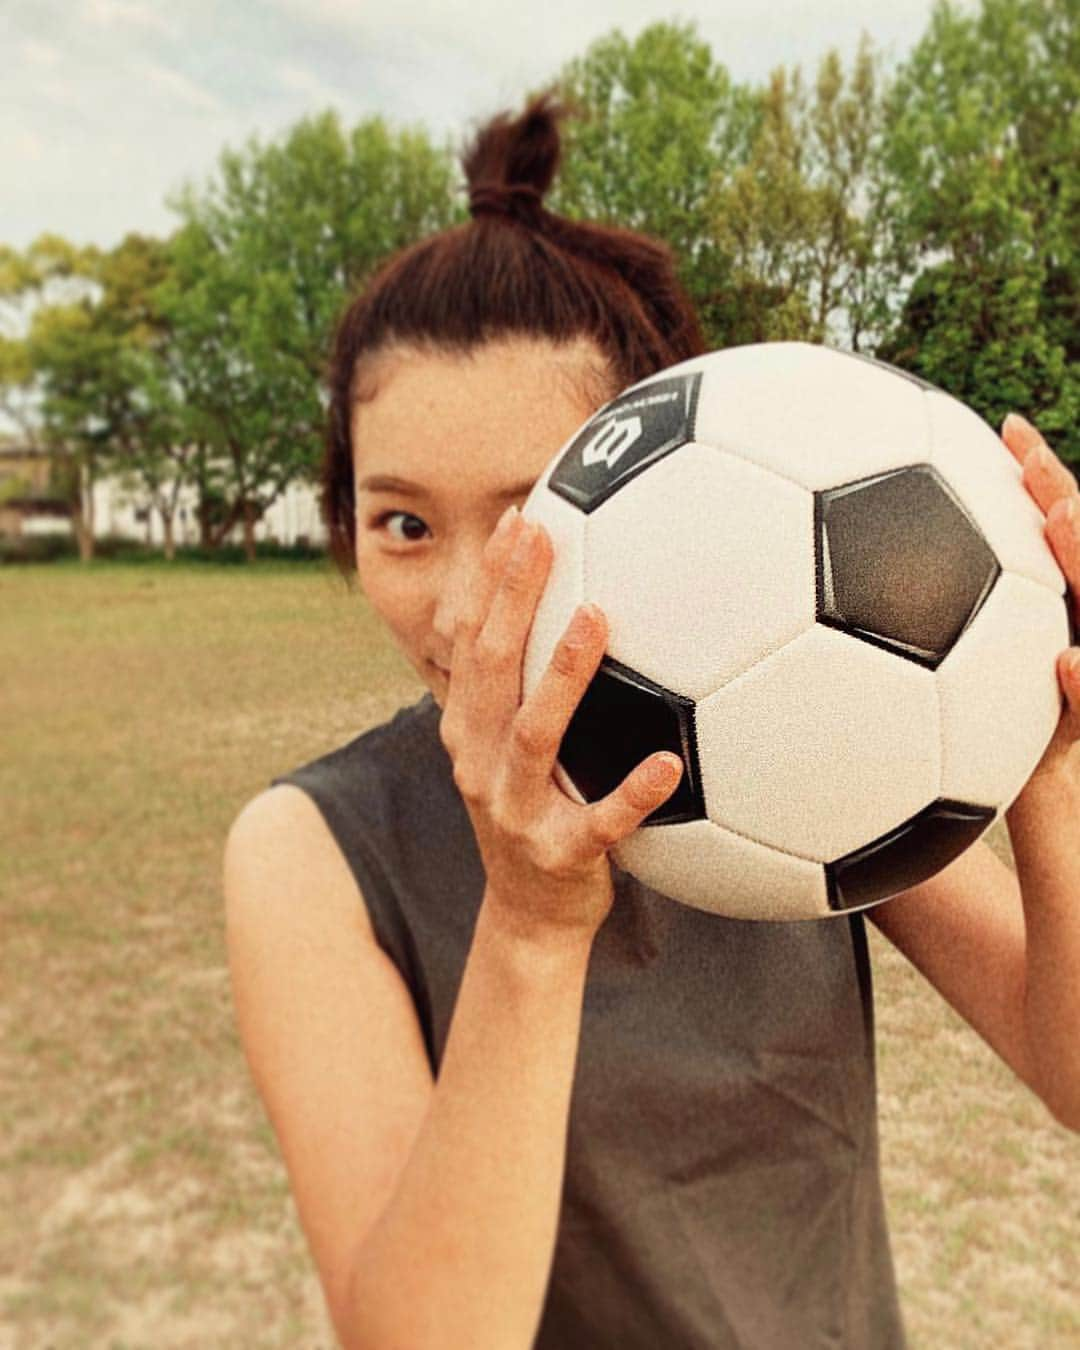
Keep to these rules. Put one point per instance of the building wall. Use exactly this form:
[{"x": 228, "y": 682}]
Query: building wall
[{"x": 122, "y": 513}]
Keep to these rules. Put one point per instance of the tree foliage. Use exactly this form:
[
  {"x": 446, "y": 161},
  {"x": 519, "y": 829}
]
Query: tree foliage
[
  {"x": 260, "y": 267},
  {"x": 657, "y": 120},
  {"x": 798, "y": 216},
  {"x": 983, "y": 179},
  {"x": 84, "y": 353}
]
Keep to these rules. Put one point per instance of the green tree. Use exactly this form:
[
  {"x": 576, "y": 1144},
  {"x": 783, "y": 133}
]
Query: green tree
[
  {"x": 85, "y": 354},
  {"x": 51, "y": 270},
  {"x": 261, "y": 266},
  {"x": 659, "y": 119},
  {"x": 798, "y": 217},
  {"x": 983, "y": 159}
]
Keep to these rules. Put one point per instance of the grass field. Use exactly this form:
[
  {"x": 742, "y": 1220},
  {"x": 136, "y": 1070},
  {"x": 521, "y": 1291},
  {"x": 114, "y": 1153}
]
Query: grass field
[{"x": 142, "y": 1200}]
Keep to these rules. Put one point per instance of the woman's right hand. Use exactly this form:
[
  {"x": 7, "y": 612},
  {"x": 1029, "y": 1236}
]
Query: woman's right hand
[{"x": 545, "y": 855}]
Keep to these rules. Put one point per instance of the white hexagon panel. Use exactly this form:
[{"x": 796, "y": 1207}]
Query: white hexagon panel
[
  {"x": 829, "y": 593},
  {"x": 703, "y": 513},
  {"x": 801, "y": 718}
]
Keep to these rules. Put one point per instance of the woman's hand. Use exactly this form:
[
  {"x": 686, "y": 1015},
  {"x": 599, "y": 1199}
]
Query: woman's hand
[
  {"x": 545, "y": 856},
  {"x": 1054, "y": 490}
]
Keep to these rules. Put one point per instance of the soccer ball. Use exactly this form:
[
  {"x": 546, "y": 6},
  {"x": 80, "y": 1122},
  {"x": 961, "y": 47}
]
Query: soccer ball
[{"x": 829, "y": 592}]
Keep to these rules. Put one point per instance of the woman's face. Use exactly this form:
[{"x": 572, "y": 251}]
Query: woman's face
[{"x": 442, "y": 446}]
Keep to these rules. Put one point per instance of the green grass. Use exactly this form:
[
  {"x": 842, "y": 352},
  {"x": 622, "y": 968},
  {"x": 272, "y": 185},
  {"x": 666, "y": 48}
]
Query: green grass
[{"x": 142, "y": 1199}]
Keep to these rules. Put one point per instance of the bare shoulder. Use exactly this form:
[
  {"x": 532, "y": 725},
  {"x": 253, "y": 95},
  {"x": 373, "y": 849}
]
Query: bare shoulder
[
  {"x": 327, "y": 1022},
  {"x": 279, "y": 838}
]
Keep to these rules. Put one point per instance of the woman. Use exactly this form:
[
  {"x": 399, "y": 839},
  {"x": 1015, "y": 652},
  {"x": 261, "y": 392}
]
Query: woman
[{"x": 523, "y": 1099}]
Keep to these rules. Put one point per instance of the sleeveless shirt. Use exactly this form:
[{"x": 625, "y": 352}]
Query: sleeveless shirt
[{"x": 721, "y": 1185}]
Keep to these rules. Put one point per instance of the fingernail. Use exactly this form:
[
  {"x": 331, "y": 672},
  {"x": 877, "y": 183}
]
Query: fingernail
[
  {"x": 1019, "y": 422},
  {"x": 582, "y": 622},
  {"x": 505, "y": 521},
  {"x": 665, "y": 770},
  {"x": 525, "y": 539}
]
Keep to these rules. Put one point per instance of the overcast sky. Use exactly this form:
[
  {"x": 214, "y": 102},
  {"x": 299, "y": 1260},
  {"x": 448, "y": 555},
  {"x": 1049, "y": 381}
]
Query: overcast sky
[{"x": 107, "y": 106}]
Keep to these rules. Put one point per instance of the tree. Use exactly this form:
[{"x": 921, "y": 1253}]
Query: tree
[
  {"x": 51, "y": 270},
  {"x": 798, "y": 217},
  {"x": 658, "y": 120},
  {"x": 984, "y": 186},
  {"x": 86, "y": 354},
  {"x": 261, "y": 266}
]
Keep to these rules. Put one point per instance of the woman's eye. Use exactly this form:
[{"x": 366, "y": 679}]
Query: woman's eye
[{"x": 411, "y": 527}]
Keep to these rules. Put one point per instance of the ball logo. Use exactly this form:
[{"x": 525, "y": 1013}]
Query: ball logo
[
  {"x": 624, "y": 437},
  {"x": 611, "y": 441}
]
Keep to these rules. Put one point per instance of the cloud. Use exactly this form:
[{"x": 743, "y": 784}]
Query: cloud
[
  {"x": 300, "y": 80},
  {"x": 126, "y": 14},
  {"x": 38, "y": 53},
  {"x": 26, "y": 146},
  {"x": 187, "y": 91},
  {"x": 108, "y": 105}
]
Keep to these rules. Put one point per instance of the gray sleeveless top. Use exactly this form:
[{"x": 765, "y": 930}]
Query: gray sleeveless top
[{"x": 722, "y": 1185}]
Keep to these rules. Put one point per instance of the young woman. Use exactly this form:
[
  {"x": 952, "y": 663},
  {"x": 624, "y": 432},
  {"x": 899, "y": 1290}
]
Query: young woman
[{"x": 521, "y": 1098}]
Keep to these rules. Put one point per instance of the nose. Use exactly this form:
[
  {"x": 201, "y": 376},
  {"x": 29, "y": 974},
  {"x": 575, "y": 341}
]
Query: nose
[{"x": 460, "y": 579}]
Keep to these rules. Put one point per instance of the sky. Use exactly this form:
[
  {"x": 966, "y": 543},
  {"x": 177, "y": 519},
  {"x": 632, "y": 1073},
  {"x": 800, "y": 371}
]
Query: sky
[{"x": 108, "y": 107}]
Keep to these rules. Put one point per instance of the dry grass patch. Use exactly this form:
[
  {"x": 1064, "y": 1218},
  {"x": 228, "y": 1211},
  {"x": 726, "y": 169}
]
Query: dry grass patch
[{"x": 143, "y": 1201}]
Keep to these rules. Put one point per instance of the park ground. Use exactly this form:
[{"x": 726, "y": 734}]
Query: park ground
[{"x": 143, "y": 1202}]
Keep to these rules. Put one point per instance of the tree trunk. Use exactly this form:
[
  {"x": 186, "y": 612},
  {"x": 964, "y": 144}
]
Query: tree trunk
[
  {"x": 250, "y": 518},
  {"x": 83, "y": 537},
  {"x": 82, "y": 520},
  {"x": 170, "y": 541},
  {"x": 206, "y": 539}
]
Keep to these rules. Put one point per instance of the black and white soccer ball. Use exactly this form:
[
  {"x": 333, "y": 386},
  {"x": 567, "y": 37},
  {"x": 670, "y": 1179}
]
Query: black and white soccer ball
[{"x": 829, "y": 592}]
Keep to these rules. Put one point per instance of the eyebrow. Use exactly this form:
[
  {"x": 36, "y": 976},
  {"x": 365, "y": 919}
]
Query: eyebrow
[{"x": 380, "y": 482}]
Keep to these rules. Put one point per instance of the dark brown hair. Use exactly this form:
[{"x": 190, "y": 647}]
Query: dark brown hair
[{"x": 514, "y": 269}]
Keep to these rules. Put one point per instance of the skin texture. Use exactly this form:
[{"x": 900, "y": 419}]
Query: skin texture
[
  {"x": 457, "y": 576},
  {"x": 474, "y": 431}
]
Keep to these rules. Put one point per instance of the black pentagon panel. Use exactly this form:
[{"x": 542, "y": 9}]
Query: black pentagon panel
[
  {"x": 895, "y": 370},
  {"x": 915, "y": 850},
  {"x": 624, "y": 438},
  {"x": 900, "y": 563},
  {"x": 622, "y": 719}
]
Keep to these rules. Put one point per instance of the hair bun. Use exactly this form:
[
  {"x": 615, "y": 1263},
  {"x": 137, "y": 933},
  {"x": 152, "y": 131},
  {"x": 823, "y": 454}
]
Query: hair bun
[
  {"x": 500, "y": 199},
  {"x": 512, "y": 161}
]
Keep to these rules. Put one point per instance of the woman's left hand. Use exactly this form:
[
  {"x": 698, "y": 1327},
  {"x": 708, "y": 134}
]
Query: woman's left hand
[{"x": 1054, "y": 490}]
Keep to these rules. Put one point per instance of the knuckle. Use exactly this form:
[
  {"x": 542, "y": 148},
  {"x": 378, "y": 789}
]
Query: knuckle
[
  {"x": 493, "y": 653},
  {"x": 469, "y": 782},
  {"x": 566, "y": 658},
  {"x": 544, "y": 858},
  {"x": 605, "y": 834},
  {"x": 515, "y": 584},
  {"x": 466, "y": 627},
  {"x": 507, "y": 823},
  {"x": 447, "y": 733},
  {"x": 529, "y": 739}
]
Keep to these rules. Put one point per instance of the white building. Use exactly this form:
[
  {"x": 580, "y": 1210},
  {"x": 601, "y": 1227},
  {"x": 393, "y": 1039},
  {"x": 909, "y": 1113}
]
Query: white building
[
  {"x": 122, "y": 510},
  {"x": 125, "y": 513}
]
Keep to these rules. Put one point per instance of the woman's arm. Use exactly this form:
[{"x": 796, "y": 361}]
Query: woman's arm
[
  {"x": 1004, "y": 950},
  {"x": 462, "y": 1255},
  {"x": 431, "y": 1208},
  {"x": 1008, "y": 962}
]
